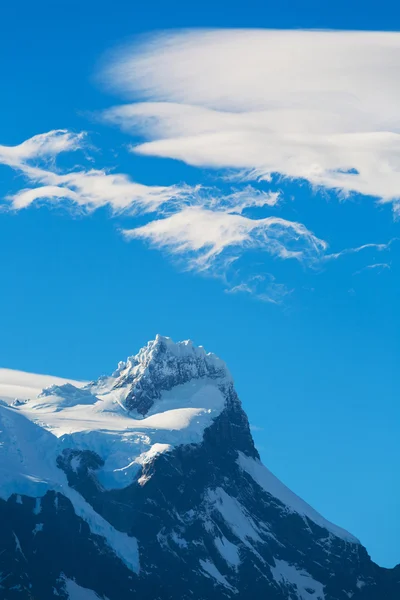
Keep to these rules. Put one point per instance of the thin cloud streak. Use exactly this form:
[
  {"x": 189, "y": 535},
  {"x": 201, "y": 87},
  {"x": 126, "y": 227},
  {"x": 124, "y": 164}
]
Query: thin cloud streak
[
  {"x": 88, "y": 189},
  {"x": 262, "y": 287},
  {"x": 379, "y": 247},
  {"x": 378, "y": 267}
]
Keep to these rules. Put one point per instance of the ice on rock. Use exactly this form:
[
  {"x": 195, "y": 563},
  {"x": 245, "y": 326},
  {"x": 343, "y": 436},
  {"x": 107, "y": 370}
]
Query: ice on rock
[
  {"x": 273, "y": 486},
  {"x": 211, "y": 570},
  {"x": 77, "y": 592},
  {"x": 21, "y": 386},
  {"x": 28, "y": 467},
  {"x": 228, "y": 551},
  {"x": 160, "y": 366},
  {"x": 63, "y": 396},
  {"x": 165, "y": 396},
  {"x": 298, "y": 580},
  {"x": 180, "y": 385}
]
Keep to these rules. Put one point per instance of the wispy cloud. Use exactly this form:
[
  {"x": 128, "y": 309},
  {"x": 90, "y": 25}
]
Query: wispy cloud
[
  {"x": 208, "y": 230},
  {"x": 203, "y": 229},
  {"x": 240, "y": 200},
  {"x": 316, "y": 105},
  {"x": 204, "y": 235},
  {"x": 88, "y": 189},
  {"x": 263, "y": 287},
  {"x": 212, "y": 241},
  {"x": 39, "y": 147},
  {"x": 377, "y": 267},
  {"x": 379, "y": 247}
]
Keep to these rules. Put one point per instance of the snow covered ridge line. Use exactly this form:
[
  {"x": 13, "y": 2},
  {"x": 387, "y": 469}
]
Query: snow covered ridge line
[
  {"x": 21, "y": 385},
  {"x": 160, "y": 366},
  {"x": 28, "y": 467},
  {"x": 164, "y": 397},
  {"x": 164, "y": 351},
  {"x": 271, "y": 484},
  {"x": 182, "y": 350}
]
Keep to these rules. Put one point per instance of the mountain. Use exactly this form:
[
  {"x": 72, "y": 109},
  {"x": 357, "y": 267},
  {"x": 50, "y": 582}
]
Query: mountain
[{"x": 146, "y": 484}]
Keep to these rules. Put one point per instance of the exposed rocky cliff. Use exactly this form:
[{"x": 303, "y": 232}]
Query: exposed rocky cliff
[{"x": 146, "y": 484}]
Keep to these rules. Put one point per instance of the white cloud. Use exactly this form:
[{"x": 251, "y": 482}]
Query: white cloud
[
  {"x": 89, "y": 189},
  {"x": 316, "y": 105},
  {"x": 203, "y": 226},
  {"x": 27, "y": 196},
  {"x": 42, "y": 146},
  {"x": 379, "y": 247},
  {"x": 376, "y": 267},
  {"x": 209, "y": 231},
  {"x": 213, "y": 242},
  {"x": 95, "y": 188},
  {"x": 242, "y": 199},
  {"x": 263, "y": 287},
  {"x": 204, "y": 234}
]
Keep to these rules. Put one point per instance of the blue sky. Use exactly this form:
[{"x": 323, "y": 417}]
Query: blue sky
[{"x": 306, "y": 316}]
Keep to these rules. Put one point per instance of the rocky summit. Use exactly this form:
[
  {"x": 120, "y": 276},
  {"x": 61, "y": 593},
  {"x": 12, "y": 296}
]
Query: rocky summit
[{"x": 146, "y": 485}]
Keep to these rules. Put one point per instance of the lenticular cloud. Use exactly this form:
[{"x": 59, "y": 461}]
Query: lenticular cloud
[{"x": 315, "y": 105}]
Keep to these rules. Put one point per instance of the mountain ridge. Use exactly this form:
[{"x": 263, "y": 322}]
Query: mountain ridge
[{"x": 159, "y": 478}]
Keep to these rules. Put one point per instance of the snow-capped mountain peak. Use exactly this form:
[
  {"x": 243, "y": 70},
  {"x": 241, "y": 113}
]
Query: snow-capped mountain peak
[
  {"x": 151, "y": 479},
  {"x": 160, "y": 366},
  {"x": 165, "y": 396}
]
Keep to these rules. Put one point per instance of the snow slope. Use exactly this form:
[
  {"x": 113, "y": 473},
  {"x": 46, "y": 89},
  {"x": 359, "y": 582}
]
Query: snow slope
[
  {"x": 28, "y": 455},
  {"x": 161, "y": 398},
  {"x": 288, "y": 576},
  {"x": 67, "y": 414},
  {"x": 179, "y": 385},
  {"x": 76, "y": 592},
  {"x": 18, "y": 384},
  {"x": 124, "y": 442},
  {"x": 277, "y": 489}
]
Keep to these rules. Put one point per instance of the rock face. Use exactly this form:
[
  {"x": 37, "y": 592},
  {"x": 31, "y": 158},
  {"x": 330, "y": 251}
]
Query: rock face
[
  {"x": 147, "y": 485},
  {"x": 163, "y": 365}
]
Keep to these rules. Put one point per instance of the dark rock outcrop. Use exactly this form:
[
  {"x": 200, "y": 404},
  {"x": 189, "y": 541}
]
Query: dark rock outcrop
[{"x": 206, "y": 530}]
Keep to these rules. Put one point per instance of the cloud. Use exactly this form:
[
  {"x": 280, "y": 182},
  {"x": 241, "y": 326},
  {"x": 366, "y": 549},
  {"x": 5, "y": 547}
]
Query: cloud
[
  {"x": 213, "y": 242},
  {"x": 42, "y": 146},
  {"x": 263, "y": 287},
  {"x": 248, "y": 197},
  {"x": 321, "y": 106},
  {"x": 204, "y": 235},
  {"x": 311, "y": 105},
  {"x": 27, "y": 196},
  {"x": 379, "y": 247},
  {"x": 206, "y": 230},
  {"x": 89, "y": 189},
  {"x": 377, "y": 267},
  {"x": 204, "y": 227},
  {"x": 95, "y": 188}
]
